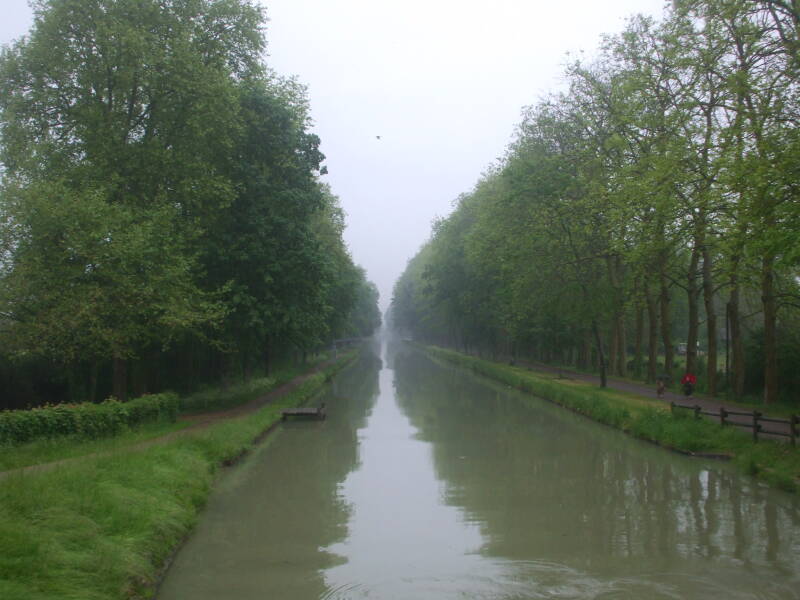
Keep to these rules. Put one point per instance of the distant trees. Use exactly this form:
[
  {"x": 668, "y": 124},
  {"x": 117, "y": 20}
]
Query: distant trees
[
  {"x": 160, "y": 200},
  {"x": 654, "y": 201}
]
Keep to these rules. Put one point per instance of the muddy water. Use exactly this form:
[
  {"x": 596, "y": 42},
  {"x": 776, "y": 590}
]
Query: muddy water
[{"x": 426, "y": 482}]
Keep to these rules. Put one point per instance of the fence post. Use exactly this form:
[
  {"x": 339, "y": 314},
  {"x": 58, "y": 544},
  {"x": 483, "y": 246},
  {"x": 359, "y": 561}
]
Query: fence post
[
  {"x": 696, "y": 411},
  {"x": 793, "y": 421},
  {"x": 722, "y": 414},
  {"x": 756, "y": 426}
]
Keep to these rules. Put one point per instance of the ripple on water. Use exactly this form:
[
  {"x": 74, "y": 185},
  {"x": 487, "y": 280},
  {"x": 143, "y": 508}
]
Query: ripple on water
[{"x": 534, "y": 580}]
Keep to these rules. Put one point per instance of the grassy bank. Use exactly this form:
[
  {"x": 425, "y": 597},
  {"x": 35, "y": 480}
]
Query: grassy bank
[
  {"x": 775, "y": 462},
  {"x": 235, "y": 394},
  {"x": 102, "y": 526},
  {"x": 60, "y": 447}
]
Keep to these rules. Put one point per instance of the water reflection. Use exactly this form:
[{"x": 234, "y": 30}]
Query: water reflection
[
  {"x": 263, "y": 531},
  {"x": 546, "y": 485},
  {"x": 427, "y": 482}
]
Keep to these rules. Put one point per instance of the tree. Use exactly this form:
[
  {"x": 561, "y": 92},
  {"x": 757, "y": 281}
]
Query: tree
[{"x": 114, "y": 118}]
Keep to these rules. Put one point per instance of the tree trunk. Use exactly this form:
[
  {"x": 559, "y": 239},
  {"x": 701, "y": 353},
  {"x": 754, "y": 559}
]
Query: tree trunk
[
  {"x": 770, "y": 329},
  {"x": 622, "y": 347},
  {"x": 267, "y": 358},
  {"x": 613, "y": 341},
  {"x": 587, "y": 351},
  {"x": 693, "y": 294},
  {"x": 617, "y": 351},
  {"x": 120, "y": 377},
  {"x": 736, "y": 341},
  {"x": 711, "y": 323},
  {"x": 94, "y": 367},
  {"x": 637, "y": 342},
  {"x": 600, "y": 357},
  {"x": 138, "y": 377},
  {"x": 652, "y": 338},
  {"x": 666, "y": 336}
]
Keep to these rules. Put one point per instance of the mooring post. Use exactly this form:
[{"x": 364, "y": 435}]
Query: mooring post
[
  {"x": 756, "y": 426},
  {"x": 722, "y": 414},
  {"x": 696, "y": 411},
  {"x": 672, "y": 406}
]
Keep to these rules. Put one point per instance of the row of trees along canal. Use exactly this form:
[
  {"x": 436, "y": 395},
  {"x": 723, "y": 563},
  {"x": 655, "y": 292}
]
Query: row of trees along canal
[
  {"x": 161, "y": 219},
  {"x": 655, "y": 201}
]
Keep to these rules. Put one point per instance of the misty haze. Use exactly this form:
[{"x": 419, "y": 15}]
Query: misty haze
[{"x": 351, "y": 299}]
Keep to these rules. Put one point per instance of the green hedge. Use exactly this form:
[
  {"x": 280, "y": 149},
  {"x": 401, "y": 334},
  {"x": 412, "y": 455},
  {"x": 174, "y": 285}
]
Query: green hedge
[{"x": 87, "y": 420}]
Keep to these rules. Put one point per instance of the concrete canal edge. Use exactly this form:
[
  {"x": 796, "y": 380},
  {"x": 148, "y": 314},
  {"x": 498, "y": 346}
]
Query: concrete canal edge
[{"x": 150, "y": 589}]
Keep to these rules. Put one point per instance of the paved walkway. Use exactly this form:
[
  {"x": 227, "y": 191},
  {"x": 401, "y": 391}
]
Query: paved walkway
[{"x": 649, "y": 391}]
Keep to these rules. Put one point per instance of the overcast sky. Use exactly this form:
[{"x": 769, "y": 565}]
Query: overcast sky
[{"x": 442, "y": 82}]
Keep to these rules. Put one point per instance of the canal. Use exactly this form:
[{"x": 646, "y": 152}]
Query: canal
[{"x": 428, "y": 482}]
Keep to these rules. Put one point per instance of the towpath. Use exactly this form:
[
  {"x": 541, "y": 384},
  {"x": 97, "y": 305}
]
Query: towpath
[{"x": 649, "y": 391}]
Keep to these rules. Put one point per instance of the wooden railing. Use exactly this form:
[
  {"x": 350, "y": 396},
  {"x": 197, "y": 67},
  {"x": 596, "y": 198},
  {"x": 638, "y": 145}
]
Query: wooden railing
[{"x": 756, "y": 419}]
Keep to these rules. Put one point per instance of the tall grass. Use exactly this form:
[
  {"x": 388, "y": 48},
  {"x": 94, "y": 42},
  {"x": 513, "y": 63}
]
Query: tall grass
[{"x": 45, "y": 450}]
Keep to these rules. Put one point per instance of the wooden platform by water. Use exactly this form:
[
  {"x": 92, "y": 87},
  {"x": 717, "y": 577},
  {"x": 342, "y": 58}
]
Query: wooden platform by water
[{"x": 316, "y": 412}]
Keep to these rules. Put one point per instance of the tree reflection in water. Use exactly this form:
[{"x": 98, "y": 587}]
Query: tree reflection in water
[{"x": 544, "y": 483}]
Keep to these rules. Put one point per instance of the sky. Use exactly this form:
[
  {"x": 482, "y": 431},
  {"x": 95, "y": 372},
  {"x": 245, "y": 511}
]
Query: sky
[{"x": 442, "y": 82}]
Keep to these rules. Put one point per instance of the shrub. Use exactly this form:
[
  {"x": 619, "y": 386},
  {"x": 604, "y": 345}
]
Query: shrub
[{"x": 87, "y": 420}]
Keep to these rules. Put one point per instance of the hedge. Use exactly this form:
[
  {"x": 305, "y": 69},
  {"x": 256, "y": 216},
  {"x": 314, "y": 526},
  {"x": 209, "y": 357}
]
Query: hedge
[{"x": 86, "y": 420}]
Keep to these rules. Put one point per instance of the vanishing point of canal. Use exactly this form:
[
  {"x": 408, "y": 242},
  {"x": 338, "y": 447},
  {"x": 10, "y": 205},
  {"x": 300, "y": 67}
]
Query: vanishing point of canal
[{"x": 428, "y": 482}]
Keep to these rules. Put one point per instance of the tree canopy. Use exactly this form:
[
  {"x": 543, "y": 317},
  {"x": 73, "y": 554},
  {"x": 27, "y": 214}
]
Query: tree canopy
[
  {"x": 650, "y": 208},
  {"x": 161, "y": 213}
]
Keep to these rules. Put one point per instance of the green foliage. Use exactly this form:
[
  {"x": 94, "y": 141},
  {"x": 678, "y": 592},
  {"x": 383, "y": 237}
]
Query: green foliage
[
  {"x": 86, "y": 421},
  {"x": 48, "y": 450},
  {"x": 160, "y": 202},
  {"x": 633, "y": 203},
  {"x": 43, "y": 450}
]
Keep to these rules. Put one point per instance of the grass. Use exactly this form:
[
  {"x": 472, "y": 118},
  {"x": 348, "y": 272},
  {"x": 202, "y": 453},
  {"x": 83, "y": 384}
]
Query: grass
[
  {"x": 52, "y": 449},
  {"x": 783, "y": 408},
  {"x": 777, "y": 463},
  {"x": 229, "y": 396},
  {"x": 46, "y": 450},
  {"x": 103, "y": 526}
]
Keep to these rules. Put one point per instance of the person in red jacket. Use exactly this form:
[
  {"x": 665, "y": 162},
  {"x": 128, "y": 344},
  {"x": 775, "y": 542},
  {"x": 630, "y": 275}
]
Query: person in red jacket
[{"x": 688, "y": 382}]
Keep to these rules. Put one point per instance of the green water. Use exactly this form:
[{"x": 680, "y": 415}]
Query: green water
[{"x": 427, "y": 482}]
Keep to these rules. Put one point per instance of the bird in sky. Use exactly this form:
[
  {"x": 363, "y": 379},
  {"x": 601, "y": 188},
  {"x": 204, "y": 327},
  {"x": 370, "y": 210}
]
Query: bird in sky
[{"x": 377, "y": 137}]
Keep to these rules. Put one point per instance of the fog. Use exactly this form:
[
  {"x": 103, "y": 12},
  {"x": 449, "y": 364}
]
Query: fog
[{"x": 413, "y": 100}]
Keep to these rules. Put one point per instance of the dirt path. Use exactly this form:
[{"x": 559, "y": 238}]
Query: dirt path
[
  {"x": 649, "y": 391},
  {"x": 196, "y": 422}
]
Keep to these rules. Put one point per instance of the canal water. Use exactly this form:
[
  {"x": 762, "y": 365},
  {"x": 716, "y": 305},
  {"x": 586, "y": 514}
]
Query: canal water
[{"x": 427, "y": 482}]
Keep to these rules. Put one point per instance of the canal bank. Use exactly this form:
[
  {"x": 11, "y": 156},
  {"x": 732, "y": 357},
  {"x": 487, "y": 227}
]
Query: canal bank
[
  {"x": 776, "y": 463},
  {"x": 104, "y": 526},
  {"x": 428, "y": 481}
]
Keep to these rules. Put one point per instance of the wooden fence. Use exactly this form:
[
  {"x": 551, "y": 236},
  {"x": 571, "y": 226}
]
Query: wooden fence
[{"x": 756, "y": 419}]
